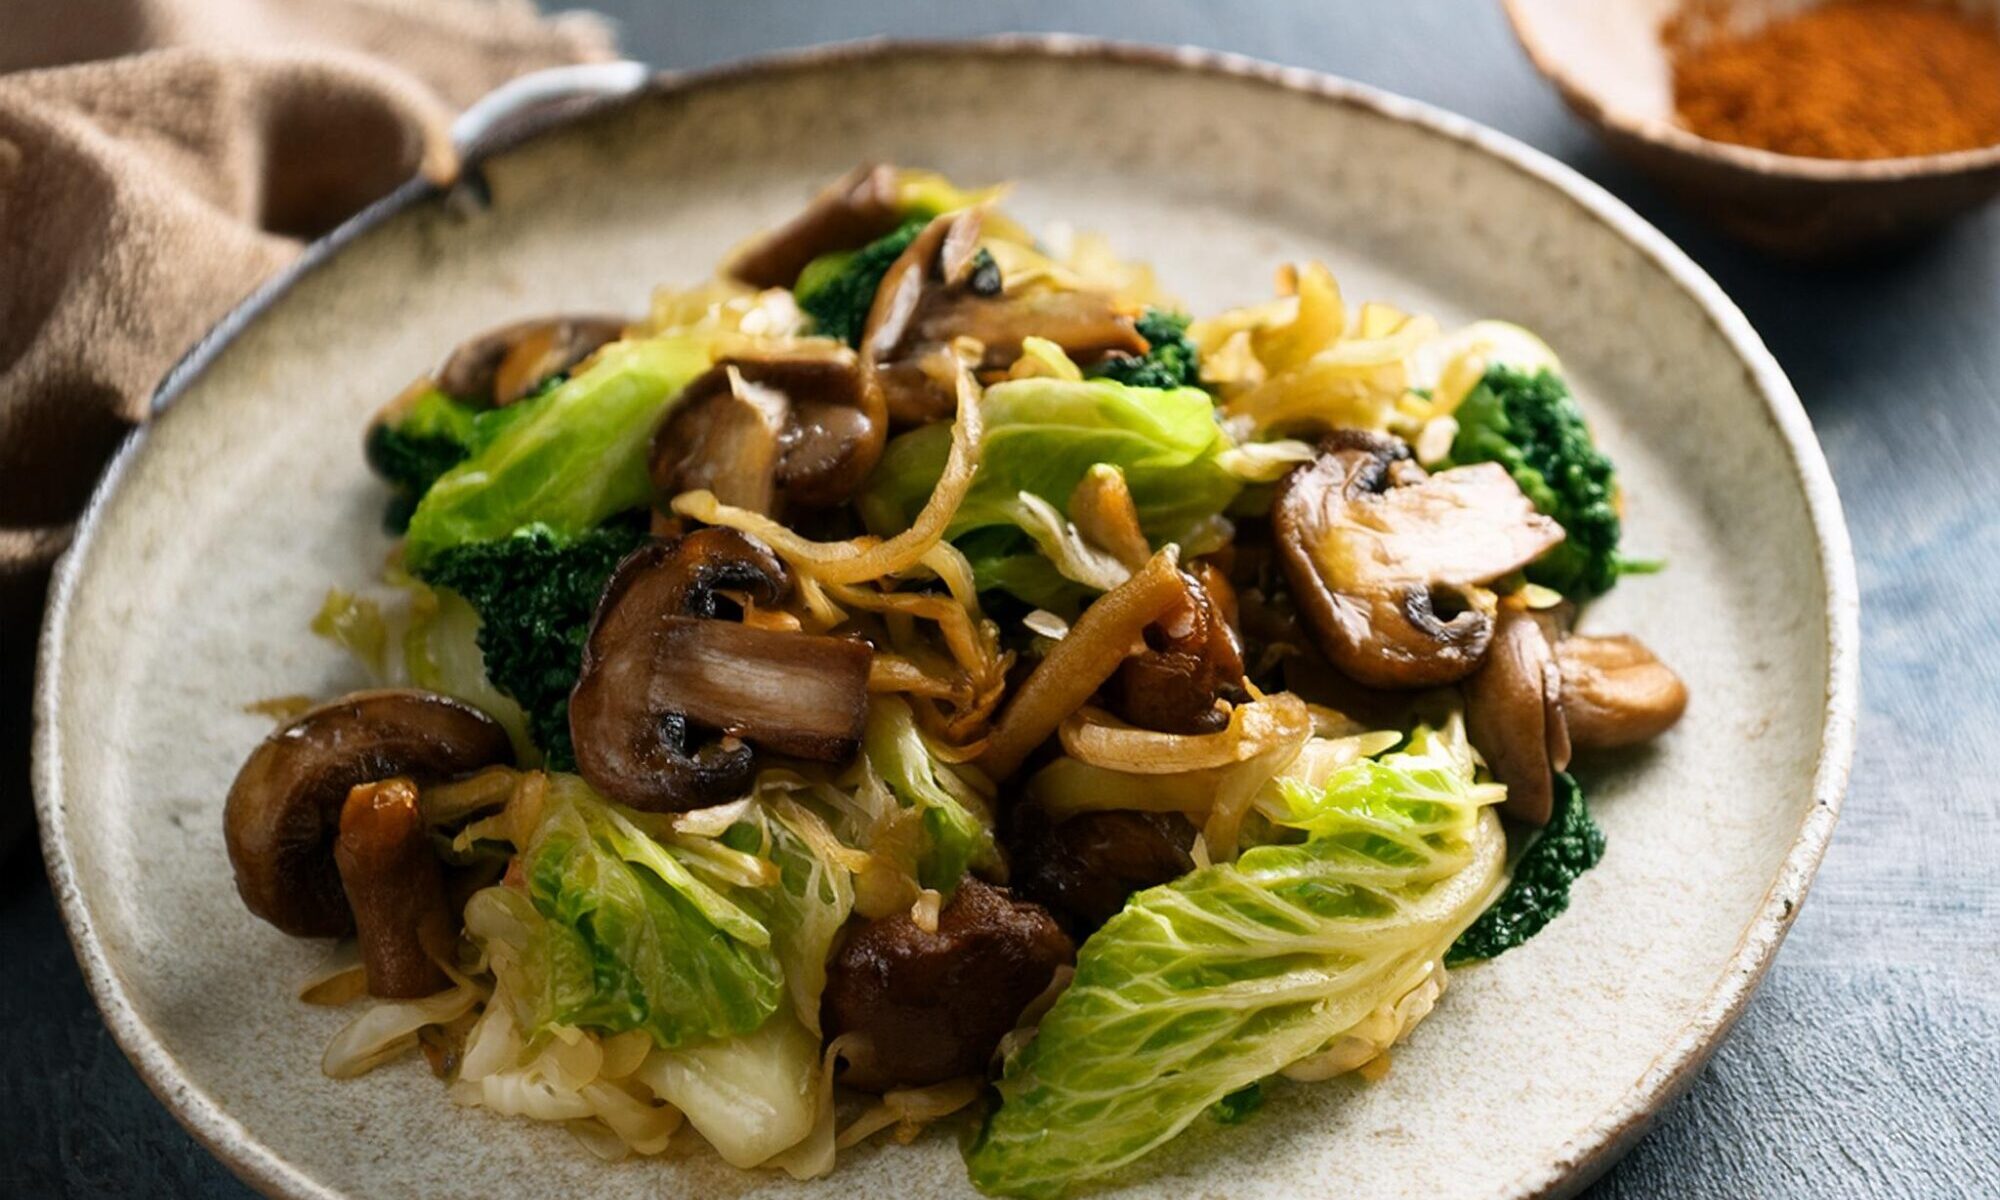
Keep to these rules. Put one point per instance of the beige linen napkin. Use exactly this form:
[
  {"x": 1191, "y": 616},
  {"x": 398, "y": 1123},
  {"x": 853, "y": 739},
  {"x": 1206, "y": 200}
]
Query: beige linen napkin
[{"x": 160, "y": 158}]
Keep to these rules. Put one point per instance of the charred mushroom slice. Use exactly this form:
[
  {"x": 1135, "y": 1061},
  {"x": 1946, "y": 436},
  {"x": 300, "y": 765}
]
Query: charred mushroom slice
[
  {"x": 1616, "y": 692},
  {"x": 284, "y": 809},
  {"x": 505, "y": 364},
  {"x": 395, "y": 888},
  {"x": 779, "y": 430},
  {"x": 922, "y": 1007},
  {"x": 931, "y": 295},
  {"x": 1083, "y": 869},
  {"x": 1192, "y": 659},
  {"x": 851, "y": 211},
  {"x": 1514, "y": 716},
  {"x": 1386, "y": 562},
  {"x": 671, "y": 700}
]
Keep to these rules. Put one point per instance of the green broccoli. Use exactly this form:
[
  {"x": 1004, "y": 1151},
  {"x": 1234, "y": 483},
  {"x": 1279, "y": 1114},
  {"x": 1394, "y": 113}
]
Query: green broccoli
[
  {"x": 1237, "y": 1106},
  {"x": 836, "y": 290},
  {"x": 410, "y": 449},
  {"x": 535, "y": 594},
  {"x": 1171, "y": 362},
  {"x": 1531, "y": 425},
  {"x": 422, "y": 440},
  {"x": 1539, "y": 891}
]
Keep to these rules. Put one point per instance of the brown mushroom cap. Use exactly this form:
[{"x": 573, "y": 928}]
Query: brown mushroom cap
[
  {"x": 1384, "y": 560},
  {"x": 1616, "y": 692},
  {"x": 283, "y": 811},
  {"x": 1514, "y": 716},
  {"x": 851, "y": 211},
  {"x": 775, "y": 430},
  {"x": 672, "y": 698},
  {"x": 502, "y": 365}
]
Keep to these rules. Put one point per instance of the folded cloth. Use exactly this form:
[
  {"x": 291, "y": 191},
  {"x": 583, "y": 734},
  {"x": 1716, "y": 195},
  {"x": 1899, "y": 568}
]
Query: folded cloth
[{"x": 160, "y": 158}]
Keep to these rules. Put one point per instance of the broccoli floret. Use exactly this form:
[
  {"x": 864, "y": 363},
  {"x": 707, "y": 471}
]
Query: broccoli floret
[
  {"x": 535, "y": 594},
  {"x": 410, "y": 450},
  {"x": 1539, "y": 891},
  {"x": 430, "y": 436},
  {"x": 1172, "y": 360},
  {"x": 1237, "y": 1106},
  {"x": 1531, "y": 425},
  {"x": 836, "y": 290}
]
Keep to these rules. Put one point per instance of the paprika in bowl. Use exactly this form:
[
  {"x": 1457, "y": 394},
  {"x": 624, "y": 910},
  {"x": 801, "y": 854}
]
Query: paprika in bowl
[{"x": 1778, "y": 122}]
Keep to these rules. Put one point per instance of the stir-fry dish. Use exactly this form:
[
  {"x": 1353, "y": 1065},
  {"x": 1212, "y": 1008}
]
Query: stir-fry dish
[{"x": 923, "y": 672}]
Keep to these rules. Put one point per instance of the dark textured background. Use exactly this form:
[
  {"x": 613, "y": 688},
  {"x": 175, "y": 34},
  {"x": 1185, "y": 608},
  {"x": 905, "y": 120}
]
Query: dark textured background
[{"x": 1869, "y": 1064}]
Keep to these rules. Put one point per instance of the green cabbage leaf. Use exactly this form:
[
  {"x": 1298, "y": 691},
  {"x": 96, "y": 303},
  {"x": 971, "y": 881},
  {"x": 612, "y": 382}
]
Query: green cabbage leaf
[
  {"x": 632, "y": 938},
  {"x": 574, "y": 456},
  {"x": 1224, "y": 977},
  {"x": 957, "y": 836},
  {"x": 1042, "y": 436}
]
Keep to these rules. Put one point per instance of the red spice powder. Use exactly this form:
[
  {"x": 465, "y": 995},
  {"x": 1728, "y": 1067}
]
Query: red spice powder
[{"x": 1850, "y": 79}]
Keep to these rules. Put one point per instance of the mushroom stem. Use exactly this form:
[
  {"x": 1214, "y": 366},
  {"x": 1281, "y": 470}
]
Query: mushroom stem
[{"x": 395, "y": 888}]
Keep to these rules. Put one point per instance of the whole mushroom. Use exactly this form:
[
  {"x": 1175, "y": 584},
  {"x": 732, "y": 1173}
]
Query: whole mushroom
[
  {"x": 283, "y": 811},
  {"x": 1387, "y": 562},
  {"x": 1543, "y": 692}
]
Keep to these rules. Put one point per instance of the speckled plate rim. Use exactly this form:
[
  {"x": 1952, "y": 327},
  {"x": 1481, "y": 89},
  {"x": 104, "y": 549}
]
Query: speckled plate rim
[{"x": 1582, "y": 1158}]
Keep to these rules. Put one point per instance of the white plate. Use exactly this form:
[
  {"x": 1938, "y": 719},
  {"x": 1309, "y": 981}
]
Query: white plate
[{"x": 214, "y": 536}]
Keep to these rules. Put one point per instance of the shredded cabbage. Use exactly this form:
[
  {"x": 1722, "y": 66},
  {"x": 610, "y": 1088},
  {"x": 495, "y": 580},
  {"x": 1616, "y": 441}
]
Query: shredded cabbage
[
  {"x": 958, "y": 831},
  {"x": 751, "y": 1096},
  {"x": 576, "y": 456},
  {"x": 1043, "y": 435}
]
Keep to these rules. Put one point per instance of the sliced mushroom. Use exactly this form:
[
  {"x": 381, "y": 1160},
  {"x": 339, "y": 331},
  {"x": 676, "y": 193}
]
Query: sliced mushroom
[
  {"x": 1616, "y": 692},
  {"x": 1192, "y": 659},
  {"x": 851, "y": 211},
  {"x": 1386, "y": 562},
  {"x": 775, "y": 431},
  {"x": 395, "y": 889},
  {"x": 931, "y": 295},
  {"x": 503, "y": 365},
  {"x": 1514, "y": 715},
  {"x": 671, "y": 699},
  {"x": 283, "y": 811}
]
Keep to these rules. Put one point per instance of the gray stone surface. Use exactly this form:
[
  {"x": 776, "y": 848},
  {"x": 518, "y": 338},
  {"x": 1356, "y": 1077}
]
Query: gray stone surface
[{"x": 1869, "y": 1064}]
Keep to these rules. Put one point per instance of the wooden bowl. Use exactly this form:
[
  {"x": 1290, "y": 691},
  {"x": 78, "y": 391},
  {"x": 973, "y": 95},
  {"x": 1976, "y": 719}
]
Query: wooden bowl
[{"x": 1608, "y": 62}]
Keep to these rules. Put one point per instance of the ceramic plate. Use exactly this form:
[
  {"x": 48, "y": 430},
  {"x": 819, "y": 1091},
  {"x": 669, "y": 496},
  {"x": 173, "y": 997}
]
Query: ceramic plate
[{"x": 215, "y": 535}]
